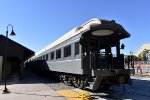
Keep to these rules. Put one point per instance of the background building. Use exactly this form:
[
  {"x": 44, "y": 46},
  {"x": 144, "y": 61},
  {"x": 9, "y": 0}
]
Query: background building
[
  {"x": 142, "y": 48},
  {"x": 16, "y": 56}
]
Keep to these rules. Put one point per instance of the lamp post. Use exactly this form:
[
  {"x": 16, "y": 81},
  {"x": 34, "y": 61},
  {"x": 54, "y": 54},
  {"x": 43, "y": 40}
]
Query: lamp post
[
  {"x": 132, "y": 61},
  {"x": 147, "y": 58},
  {"x": 5, "y": 56}
]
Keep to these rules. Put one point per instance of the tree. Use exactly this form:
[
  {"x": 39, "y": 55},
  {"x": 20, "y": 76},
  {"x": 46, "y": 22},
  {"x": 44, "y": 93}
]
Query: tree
[{"x": 135, "y": 58}]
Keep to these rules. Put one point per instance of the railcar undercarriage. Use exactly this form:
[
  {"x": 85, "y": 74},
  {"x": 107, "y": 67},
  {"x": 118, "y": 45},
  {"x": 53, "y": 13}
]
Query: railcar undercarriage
[{"x": 95, "y": 82}]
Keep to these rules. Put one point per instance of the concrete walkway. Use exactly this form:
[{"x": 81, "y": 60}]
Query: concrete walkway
[{"x": 30, "y": 88}]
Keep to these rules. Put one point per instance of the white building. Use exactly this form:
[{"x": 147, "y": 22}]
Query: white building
[{"x": 143, "y": 47}]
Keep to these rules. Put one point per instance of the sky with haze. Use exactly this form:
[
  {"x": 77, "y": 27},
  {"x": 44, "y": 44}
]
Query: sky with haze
[{"x": 38, "y": 23}]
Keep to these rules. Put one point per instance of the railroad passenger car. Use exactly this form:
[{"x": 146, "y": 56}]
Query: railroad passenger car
[{"x": 88, "y": 56}]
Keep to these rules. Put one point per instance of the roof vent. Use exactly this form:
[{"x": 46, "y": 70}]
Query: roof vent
[
  {"x": 113, "y": 21},
  {"x": 78, "y": 28}
]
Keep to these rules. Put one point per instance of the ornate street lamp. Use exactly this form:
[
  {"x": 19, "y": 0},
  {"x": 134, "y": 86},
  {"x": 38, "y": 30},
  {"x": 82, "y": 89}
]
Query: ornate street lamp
[{"x": 5, "y": 56}]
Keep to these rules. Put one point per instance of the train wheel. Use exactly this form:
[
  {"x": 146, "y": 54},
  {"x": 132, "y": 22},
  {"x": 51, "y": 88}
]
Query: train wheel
[
  {"x": 70, "y": 81},
  {"x": 65, "y": 79},
  {"x": 81, "y": 84},
  {"x": 61, "y": 78},
  {"x": 66, "y": 82},
  {"x": 75, "y": 82}
]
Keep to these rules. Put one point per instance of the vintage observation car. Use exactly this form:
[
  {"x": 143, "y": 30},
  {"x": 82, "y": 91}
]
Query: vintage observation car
[{"x": 88, "y": 56}]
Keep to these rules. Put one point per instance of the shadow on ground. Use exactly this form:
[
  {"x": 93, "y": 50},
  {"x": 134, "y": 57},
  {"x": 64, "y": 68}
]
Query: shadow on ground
[
  {"x": 140, "y": 90},
  {"x": 30, "y": 77}
]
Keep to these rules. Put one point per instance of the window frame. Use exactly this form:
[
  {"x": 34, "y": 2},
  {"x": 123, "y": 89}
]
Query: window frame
[
  {"x": 67, "y": 51},
  {"x": 52, "y": 55},
  {"x": 46, "y": 57},
  {"x": 76, "y": 48},
  {"x": 58, "y": 53}
]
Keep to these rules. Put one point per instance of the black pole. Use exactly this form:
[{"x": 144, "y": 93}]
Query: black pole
[
  {"x": 5, "y": 58},
  {"x": 5, "y": 61}
]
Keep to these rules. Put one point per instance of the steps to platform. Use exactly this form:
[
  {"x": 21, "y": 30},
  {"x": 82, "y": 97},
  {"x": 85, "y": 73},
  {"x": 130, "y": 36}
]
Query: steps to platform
[{"x": 95, "y": 83}]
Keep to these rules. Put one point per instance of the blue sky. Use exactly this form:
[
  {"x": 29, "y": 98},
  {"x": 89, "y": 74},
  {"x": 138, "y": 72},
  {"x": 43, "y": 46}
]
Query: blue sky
[{"x": 38, "y": 23}]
